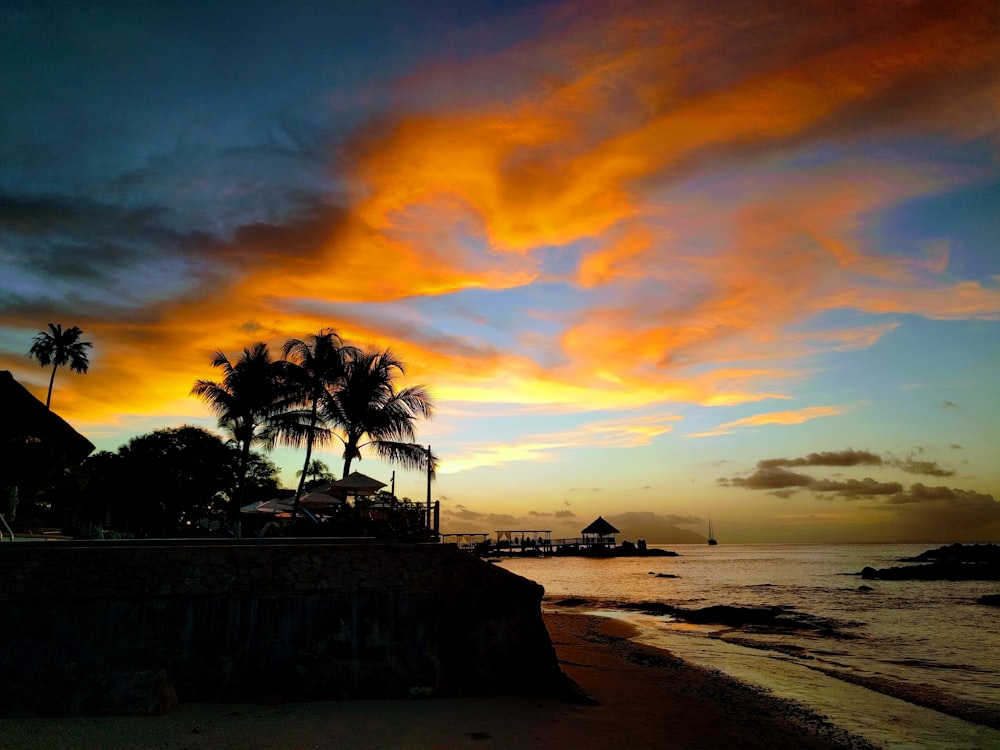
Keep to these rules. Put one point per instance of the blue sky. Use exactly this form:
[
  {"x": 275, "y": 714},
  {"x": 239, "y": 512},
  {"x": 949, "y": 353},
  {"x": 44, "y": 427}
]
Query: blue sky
[{"x": 671, "y": 260}]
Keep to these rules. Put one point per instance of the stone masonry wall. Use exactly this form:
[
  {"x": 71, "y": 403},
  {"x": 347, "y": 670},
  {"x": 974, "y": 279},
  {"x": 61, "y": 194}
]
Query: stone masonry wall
[{"x": 109, "y": 627}]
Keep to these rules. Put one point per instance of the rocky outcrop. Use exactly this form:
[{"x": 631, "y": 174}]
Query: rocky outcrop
[
  {"x": 953, "y": 562},
  {"x": 107, "y": 627},
  {"x": 966, "y": 553},
  {"x": 936, "y": 571}
]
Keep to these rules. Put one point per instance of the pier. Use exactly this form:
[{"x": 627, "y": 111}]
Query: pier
[{"x": 599, "y": 539}]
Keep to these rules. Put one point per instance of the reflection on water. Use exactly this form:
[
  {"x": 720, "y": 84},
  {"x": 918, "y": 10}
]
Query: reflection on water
[{"x": 926, "y": 641}]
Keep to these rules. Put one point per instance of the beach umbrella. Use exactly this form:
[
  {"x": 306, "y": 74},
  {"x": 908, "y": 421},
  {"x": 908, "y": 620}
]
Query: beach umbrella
[
  {"x": 319, "y": 499},
  {"x": 266, "y": 506},
  {"x": 355, "y": 484}
]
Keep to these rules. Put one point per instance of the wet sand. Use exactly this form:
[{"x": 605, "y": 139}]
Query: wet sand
[{"x": 645, "y": 698}]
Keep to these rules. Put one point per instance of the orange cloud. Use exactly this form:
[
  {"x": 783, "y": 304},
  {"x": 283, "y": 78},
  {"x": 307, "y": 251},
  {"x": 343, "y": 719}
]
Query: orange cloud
[
  {"x": 794, "y": 416},
  {"x": 662, "y": 156},
  {"x": 617, "y": 433}
]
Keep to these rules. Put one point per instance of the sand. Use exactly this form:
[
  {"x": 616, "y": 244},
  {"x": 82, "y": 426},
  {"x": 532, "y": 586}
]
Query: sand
[{"x": 644, "y": 698}]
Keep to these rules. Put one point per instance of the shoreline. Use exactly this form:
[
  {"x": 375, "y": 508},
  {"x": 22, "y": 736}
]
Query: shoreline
[{"x": 645, "y": 698}]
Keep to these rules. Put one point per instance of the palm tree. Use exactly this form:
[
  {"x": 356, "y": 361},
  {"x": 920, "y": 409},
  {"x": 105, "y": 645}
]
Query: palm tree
[
  {"x": 315, "y": 369},
  {"x": 369, "y": 406},
  {"x": 247, "y": 402},
  {"x": 317, "y": 471},
  {"x": 57, "y": 347}
]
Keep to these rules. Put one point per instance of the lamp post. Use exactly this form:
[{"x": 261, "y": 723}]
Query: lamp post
[{"x": 429, "y": 487}]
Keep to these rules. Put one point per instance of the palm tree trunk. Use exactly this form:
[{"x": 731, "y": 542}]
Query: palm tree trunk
[
  {"x": 241, "y": 493},
  {"x": 305, "y": 466},
  {"x": 52, "y": 379},
  {"x": 350, "y": 449}
]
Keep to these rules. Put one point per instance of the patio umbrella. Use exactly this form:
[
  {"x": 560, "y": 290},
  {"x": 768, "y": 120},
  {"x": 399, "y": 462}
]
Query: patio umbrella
[
  {"x": 319, "y": 499},
  {"x": 267, "y": 506},
  {"x": 356, "y": 484}
]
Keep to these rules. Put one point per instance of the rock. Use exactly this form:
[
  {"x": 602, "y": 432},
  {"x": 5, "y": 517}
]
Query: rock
[
  {"x": 990, "y": 600},
  {"x": 937, "y": 571},
  {"x": 865, "y": 588},
  {"x": 959, "y": 553}
]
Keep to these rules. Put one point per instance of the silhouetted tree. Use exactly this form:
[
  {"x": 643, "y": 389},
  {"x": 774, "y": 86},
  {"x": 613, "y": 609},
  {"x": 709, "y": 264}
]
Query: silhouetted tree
[
  {"x": 60, "y": 348},
  {"x": 247, "y": 402},
  {"x": 368, "y": 411},
  {"x": 261, "y": 480},
  {"x": 315, "y": 369},
  {"x": 317, "y": 473},
  {"x": 170, "y": 479}
]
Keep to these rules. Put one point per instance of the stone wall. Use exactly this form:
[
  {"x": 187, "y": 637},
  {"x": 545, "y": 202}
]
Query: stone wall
[{"x": 118, "y": 627}]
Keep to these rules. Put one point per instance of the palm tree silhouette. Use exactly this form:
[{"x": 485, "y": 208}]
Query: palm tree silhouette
[
  {"x": 248, "y": 402},
  {"x": 369, "y": 406},
  {"x": 57, "y": 347},
  {"x": 315, "y": 370},
  {"x": 317, "y": 471}
]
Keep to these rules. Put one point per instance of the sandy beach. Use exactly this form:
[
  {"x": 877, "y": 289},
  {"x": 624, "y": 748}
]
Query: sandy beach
[{"x": 644, "y": 698}]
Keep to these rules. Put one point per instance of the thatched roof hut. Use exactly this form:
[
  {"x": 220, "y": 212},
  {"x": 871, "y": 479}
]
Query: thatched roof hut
[
  {"x": 600, "y": 532},
  {"x": 34, "y": 443},
  {"x": 26, "y": 420}
]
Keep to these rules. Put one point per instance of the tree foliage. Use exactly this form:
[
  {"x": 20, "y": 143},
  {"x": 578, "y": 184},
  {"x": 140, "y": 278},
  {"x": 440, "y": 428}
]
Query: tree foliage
[
  {"x": 314, "y": 370},
  {"x": 167, "y": 483},
  {"x": 369, "y": 412},
  {"x": 60, "y": 348},
  {"x": 248, "y": 401}
]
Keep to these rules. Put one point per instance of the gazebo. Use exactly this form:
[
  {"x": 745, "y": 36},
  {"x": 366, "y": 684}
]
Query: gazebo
[{"x": 599, "y": 534}]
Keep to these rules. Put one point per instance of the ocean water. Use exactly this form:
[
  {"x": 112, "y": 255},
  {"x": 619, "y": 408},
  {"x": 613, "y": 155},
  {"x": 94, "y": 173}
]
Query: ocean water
[{"x": 909, "y": 664}]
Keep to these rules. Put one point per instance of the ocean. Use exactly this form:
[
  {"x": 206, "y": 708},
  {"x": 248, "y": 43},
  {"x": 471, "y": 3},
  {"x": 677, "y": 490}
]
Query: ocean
[{"x": 898, "y": 664}]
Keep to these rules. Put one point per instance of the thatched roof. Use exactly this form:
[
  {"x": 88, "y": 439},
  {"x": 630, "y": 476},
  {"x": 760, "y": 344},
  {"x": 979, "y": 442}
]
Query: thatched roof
[
  {"x": 601, "y": 527},
  {"x": 26, "y": 420}
]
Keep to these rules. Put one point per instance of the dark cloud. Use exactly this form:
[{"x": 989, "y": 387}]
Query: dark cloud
[
  {"x": 646, "y": 516},
  {"x": 855, "y": 488},
  {"x": 463, "y": 513},
  {"x": 457, "y": 514},
  {"x": 928, "y": 468},
  {"x": 769, "y": 478},
  {"x": 553, "y": 514},
  {"x": 784, "y": 483},
  {"x": 80, "y": 238},
  {"x": 773, "y": 474},
  {"x": 945, "y": 513},
  {"x": 849, "y": 457},
  {"x": 919, "y": 493}
]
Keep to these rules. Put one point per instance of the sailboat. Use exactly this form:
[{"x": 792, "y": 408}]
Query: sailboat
[{"x": 712, "y": 541}]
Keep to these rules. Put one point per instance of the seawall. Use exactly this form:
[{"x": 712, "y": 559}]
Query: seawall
[{"x": 131, "y": 627}]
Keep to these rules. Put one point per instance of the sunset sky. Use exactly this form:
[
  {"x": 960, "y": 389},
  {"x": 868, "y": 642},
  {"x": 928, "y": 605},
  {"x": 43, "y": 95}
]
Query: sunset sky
[{"x": 650, "y": 258}]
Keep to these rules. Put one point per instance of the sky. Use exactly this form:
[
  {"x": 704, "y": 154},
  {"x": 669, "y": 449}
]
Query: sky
[{"x": 672, "y": 260}]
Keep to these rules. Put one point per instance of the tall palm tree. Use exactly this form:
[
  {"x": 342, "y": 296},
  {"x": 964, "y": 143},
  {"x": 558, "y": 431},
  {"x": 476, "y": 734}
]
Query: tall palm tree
[
  {"x": 57, "y": 347},
  {"x": 369, "y": 412},
  {"x": 315, "y": 369},
  {"x": 247, "y": 402}
]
